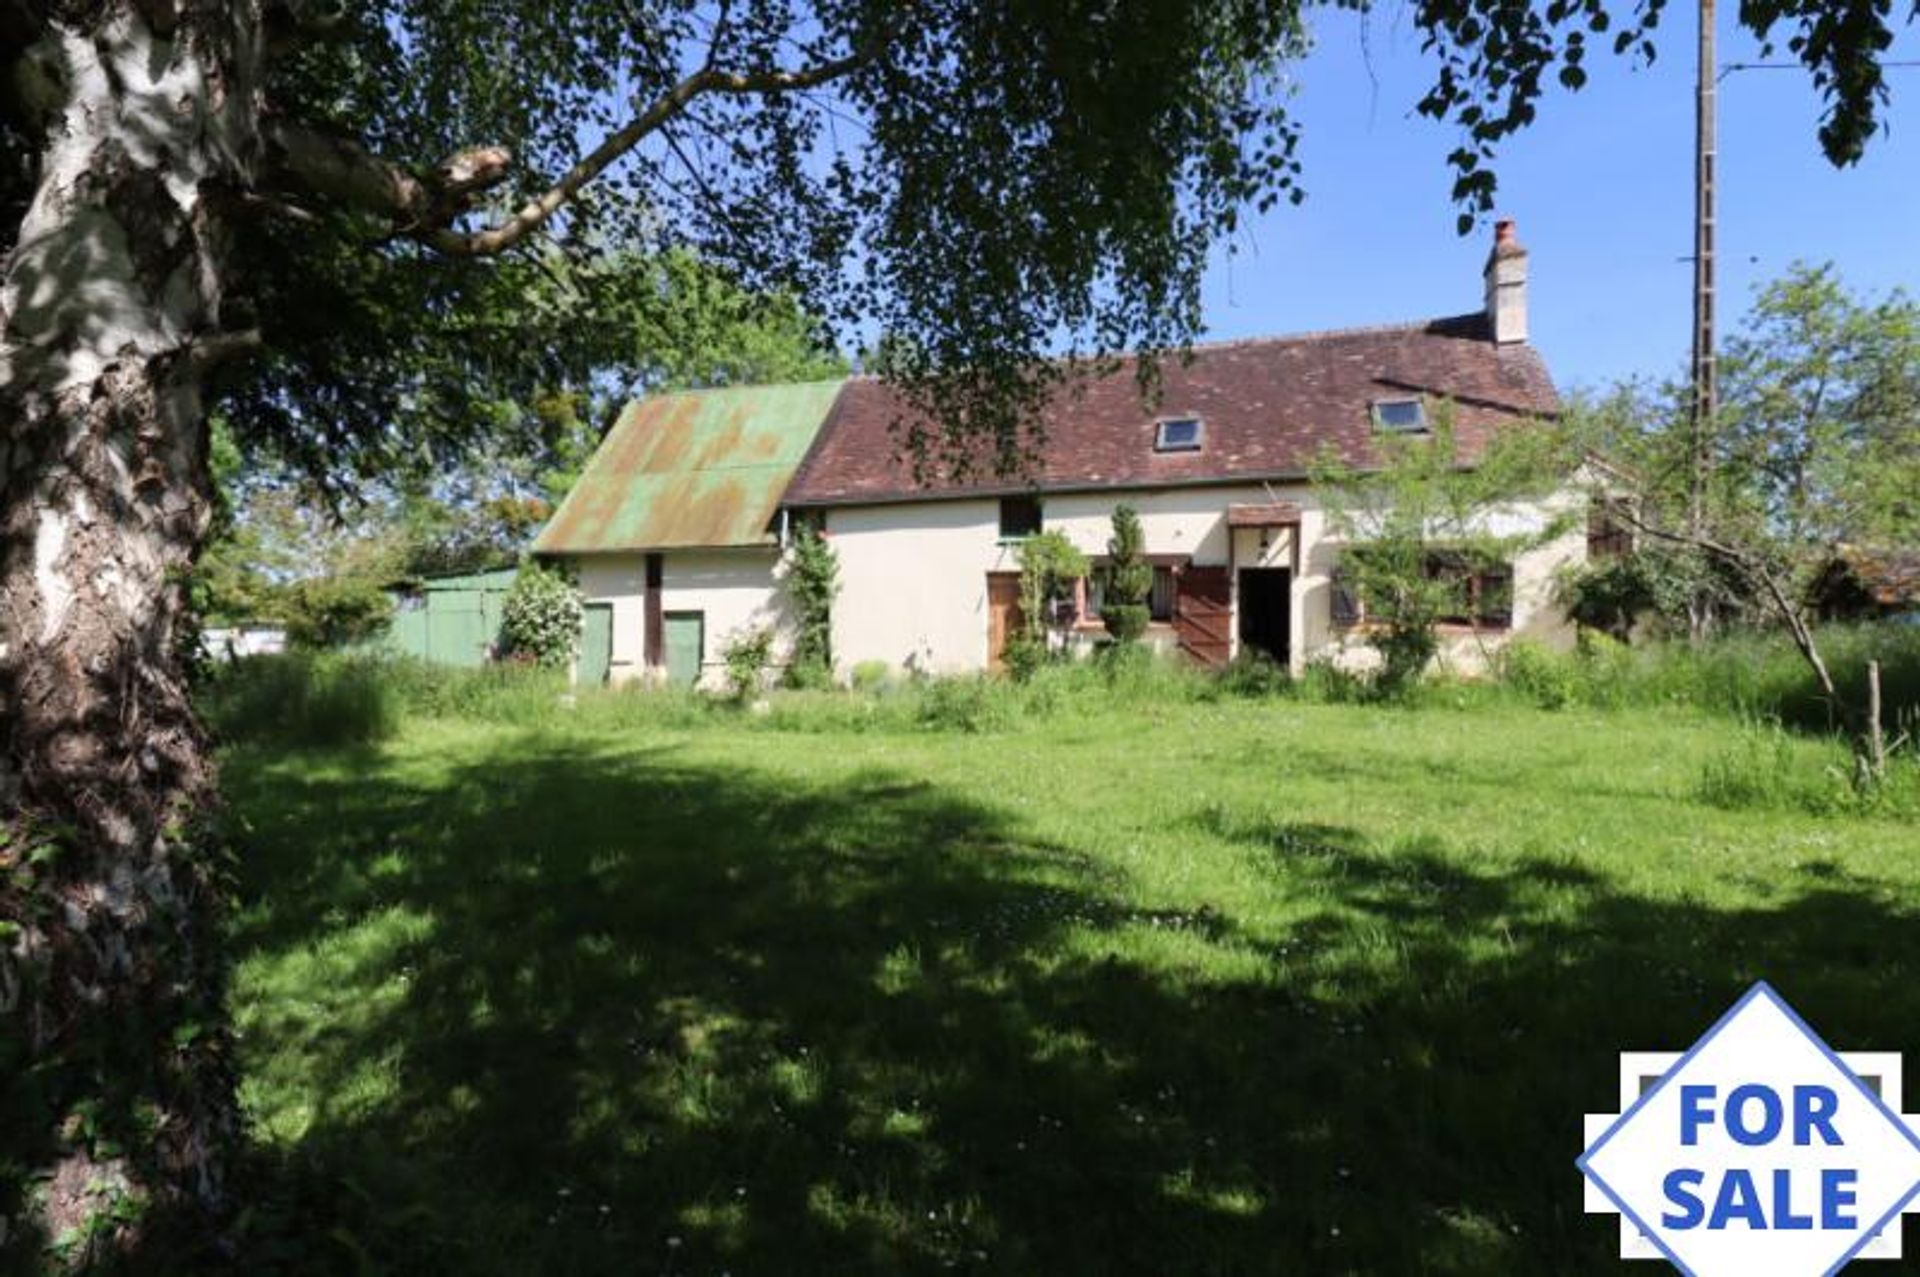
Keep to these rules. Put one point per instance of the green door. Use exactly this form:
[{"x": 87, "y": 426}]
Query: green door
[
  {"x": 686, "y": 646},
  {"x": 596, "y": 643}
]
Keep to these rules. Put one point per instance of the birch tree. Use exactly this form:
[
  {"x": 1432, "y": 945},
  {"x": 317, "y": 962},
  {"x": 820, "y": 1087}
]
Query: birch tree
[{"x": 290, "y": 208}]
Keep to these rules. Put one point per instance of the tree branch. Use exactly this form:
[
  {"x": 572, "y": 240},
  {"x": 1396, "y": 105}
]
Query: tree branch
[
  {"x": 424, "y": 206},
  {"x": 708, "y": 80},
  {"x": 1755, "y": 568},
  {"x": 341, "y": 170}
]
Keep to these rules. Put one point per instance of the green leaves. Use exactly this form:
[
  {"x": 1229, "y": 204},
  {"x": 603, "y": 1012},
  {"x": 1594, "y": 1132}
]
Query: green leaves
[
  {"x": 1129, "y": 578},
  {"x": 813, "y": 582},
  {"x": 540, "y": 620}
]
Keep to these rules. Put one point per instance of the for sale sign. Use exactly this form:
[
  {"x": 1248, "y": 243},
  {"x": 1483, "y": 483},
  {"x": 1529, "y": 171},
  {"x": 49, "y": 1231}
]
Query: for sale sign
[{"x": 1760, "y": 1150}]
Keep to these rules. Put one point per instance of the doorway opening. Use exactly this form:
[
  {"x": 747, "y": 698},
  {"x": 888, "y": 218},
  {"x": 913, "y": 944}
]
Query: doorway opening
[{"x": 1266, "y": 611}]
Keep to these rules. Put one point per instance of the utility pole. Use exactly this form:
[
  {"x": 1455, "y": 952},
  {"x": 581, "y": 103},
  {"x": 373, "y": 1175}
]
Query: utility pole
[{"x": 1706, "y": 391}]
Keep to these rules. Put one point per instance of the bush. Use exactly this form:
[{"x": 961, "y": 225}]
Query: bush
[
  {"x": 1023, "y": 654},
  {"x": 1129, "y": 580},
  {"x": 747, "y": 655},
  {"x": 1255, "y": 674},
  {"x": 1550, "y": 679},
  {"x": 808, "y": 676},
  {"x": 1326, "y": 683},
  {"x": 871, "y": 676},
  {"x": 302, "y": 699},
  {"x": 540, "y": 619},
  {"x": 968, "y": 704}
]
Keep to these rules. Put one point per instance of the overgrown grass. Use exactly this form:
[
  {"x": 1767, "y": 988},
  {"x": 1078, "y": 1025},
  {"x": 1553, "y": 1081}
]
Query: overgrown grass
[
  {"x": 303, "y": 699},
  {"x": 1186, "y": 982},
  {"x": 1753, "y": 681},
  {"x": 1751, "y": 675}
]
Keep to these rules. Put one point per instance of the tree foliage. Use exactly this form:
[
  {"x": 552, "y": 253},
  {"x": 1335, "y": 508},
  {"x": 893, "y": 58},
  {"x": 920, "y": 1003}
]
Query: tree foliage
[
  {"x": 1817, "y": 444},
  {"x": 470, "y": 200},
  {"x": 1049, "y": 566},
  {"x": 1426, "y": 496}
]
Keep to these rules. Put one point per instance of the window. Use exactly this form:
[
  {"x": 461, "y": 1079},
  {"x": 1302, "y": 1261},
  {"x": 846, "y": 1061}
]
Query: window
[
  {"x": 1019, "y": 518},
  {"x": 1482, "y": 596},
  {"x": 1178, "y": 434},
  {"x": 1400, "y": 416},
  {"x": 1160, "y": 600}
]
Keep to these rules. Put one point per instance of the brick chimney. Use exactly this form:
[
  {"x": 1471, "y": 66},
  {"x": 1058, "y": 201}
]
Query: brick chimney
[{"x": 1507, "y": 285}]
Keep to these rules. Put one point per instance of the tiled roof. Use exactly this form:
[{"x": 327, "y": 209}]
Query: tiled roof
[
  {"x": 1891, "y": 577},
  {"x": 1269, "y": 406},
  {"x": 698, "y": 468}
]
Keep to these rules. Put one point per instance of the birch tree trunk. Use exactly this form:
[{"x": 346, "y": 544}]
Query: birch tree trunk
[{"x": 111, "y": 975}]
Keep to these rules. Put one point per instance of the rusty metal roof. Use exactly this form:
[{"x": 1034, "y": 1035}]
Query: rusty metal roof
[{"x": 694, "y": 468}]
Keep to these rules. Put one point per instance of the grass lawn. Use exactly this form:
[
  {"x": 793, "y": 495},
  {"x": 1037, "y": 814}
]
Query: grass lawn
[{"x": 1242, "y": 987}]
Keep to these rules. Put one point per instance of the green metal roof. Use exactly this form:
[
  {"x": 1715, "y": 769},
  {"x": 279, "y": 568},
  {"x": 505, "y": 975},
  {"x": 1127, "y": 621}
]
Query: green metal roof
[{"x": 696, "y": 468}]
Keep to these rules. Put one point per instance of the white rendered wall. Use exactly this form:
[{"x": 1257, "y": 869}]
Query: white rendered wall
[
  {"x": 737, "y": 590},
  {"x": 913, "y": 575}
]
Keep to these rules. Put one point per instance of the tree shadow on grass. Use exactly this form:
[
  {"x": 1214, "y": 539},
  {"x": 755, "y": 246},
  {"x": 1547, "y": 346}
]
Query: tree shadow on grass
[{"x": 565, "y": 1011}]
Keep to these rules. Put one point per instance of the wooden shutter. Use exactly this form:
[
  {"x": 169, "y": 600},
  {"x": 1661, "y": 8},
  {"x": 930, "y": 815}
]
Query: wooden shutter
[
  {"x": 1003, "y": 614},
  {"x": 1203, "y": 613}
]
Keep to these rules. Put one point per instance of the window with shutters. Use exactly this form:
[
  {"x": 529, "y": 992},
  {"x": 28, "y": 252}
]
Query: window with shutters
[{"x": 1481, "y": 596}]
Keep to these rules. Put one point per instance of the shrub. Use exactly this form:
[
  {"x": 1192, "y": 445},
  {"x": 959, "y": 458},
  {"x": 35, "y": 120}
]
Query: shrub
[
  {"x": 1129, "y": 580},
  {"x": 1024, "y": 654},
  {"x": 1049, "y": 565},
  {"x": 747, "y": 655},
  {"x": 1550, "y": 679},
  {"x": 1255, "y": 674},
  {"x": 809, "y": 676},
  {"x": 1327, "y": 683},
  {"x": 871, "y": 676},
  {"x": 540, "y": 620},
  {"x": 967, "y": 704}
]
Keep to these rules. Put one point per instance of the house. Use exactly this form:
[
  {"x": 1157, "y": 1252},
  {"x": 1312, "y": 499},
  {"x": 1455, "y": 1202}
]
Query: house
[
  {"x": 1860, "y": 583},
  {"x": 674, "y": 528},
  {"x": 1244, "y": 558}
]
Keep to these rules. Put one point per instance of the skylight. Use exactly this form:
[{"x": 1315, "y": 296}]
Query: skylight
[
  {"x": 1400, "y": 416},
  {"x": 1177, "y": 434}
]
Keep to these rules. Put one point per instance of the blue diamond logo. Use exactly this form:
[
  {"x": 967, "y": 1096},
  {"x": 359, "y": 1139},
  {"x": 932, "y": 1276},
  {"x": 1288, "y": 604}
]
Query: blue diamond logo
[{"x": 1758, "y": 1150}]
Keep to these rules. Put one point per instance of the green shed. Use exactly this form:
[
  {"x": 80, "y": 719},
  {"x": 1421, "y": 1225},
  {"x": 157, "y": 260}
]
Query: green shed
[{"x": 450, "y": 620}]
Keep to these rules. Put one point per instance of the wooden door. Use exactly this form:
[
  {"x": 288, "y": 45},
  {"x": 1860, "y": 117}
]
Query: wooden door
[
  {"x": 1203, "y": 613},
  {"x": 1003, "y": 614},
  {"x": 686, "y": 644},
  {"x": 596, "y": 643}
]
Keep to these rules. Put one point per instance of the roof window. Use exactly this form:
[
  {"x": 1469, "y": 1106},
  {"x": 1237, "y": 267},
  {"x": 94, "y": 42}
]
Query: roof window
[
  {"x": 1178, "y": 434},
  {"x": 1400, "y": 416}
]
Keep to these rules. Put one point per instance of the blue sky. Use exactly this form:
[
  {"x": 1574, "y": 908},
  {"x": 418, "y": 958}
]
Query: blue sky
[{"x": 1601, "y": 186}]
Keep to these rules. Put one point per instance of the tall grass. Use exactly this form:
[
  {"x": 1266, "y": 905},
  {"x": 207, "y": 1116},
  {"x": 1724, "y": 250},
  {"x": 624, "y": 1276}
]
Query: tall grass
[
  {"x": 302, "y": 699},
  {"x": 1750, "y": 675},
  {"x": 334, "y": 700}
]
